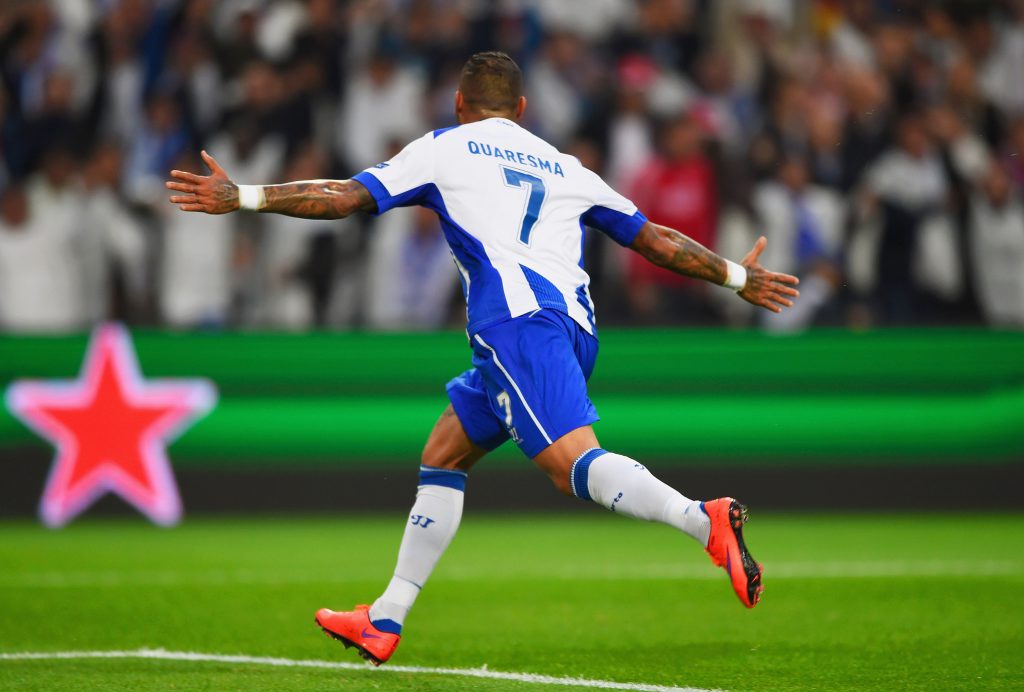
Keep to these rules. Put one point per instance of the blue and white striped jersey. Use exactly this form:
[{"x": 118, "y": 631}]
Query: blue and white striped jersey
[{"x": 513, "y": 209}]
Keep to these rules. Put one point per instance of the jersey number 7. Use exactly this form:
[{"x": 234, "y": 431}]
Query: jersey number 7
[{"x": 534, "y": 200}]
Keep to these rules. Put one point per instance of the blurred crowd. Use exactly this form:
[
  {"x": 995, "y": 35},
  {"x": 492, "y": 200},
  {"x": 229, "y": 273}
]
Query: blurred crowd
[{"x": 877, "y": 144}]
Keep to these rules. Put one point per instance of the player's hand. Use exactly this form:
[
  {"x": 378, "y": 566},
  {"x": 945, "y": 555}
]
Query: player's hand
[
  {"x": 212, "y": 194},
  {"x": 764, "y": 288}
]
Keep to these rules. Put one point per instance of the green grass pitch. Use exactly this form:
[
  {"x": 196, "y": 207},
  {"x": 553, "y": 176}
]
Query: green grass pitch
[{"x": 852, "y": 602}]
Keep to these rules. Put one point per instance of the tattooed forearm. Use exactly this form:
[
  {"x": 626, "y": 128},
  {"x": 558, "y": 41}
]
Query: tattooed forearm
[
  {"x": 673, "y": 250},
  {"x": 308, "y": 199},
  {"x": 318, "y": 199}
]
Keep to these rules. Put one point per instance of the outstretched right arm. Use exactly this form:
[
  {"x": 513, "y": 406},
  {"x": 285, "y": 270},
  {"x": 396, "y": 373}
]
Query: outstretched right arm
[
  {"x": 305, "y": 199},
  {"x": 668, "y": 248},
  {"x": 672, "y": 250}
]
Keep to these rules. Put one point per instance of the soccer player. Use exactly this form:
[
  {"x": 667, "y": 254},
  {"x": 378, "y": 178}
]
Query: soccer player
[{"x": 513, "y": 209}]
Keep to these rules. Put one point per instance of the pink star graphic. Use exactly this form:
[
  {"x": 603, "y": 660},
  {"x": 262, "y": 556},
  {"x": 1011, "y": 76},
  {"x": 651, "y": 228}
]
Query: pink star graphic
[{"x": 111, "y": 429}]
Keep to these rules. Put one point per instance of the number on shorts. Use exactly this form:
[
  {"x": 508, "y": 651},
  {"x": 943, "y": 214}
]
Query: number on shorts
[
  {"x": 534, "y": 200},
  {"x": 506, "y": 404}
]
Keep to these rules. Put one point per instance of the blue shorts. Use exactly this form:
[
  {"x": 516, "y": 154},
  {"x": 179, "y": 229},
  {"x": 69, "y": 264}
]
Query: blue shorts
[{"x": 528, "y": 382}]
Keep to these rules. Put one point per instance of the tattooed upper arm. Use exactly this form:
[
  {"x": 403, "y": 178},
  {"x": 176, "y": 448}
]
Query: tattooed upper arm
[
  {"x": 318, "y": 199},
  {"x": 364, "y": 200},
  {"x": 650, "y": 244}
]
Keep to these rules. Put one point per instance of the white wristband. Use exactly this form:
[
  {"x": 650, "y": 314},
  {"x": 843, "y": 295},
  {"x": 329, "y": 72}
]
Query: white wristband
[
  {"x": 251, "y": 197},
  {"x": 736, "y": 276}
]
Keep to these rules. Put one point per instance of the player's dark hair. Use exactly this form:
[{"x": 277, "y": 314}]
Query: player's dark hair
[{"x": 491, "y": 81}]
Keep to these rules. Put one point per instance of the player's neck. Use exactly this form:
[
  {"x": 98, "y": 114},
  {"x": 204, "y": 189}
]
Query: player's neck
[{"x": 466, "y": 118}]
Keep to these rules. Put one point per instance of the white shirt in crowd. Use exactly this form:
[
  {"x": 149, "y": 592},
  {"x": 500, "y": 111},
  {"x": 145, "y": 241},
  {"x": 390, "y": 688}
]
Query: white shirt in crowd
[
  {"x": 195, "y": 268},
  {"x": 997, "y": 250},
  {"x": 410, "y": 275},
  {"x": 375, "y": 116},
  {"x": 778, "y": 211},
  {"x": 39, "y": 275}
]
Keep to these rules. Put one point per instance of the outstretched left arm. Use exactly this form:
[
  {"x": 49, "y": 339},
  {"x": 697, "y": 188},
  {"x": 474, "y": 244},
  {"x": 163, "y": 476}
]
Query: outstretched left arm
[
  {"x": 306, "y": 199},
  {"x": 671, "y": 249}
]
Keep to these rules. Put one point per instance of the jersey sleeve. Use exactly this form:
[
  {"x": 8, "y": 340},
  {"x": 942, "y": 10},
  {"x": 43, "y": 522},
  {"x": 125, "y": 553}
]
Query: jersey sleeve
[
  {"x": 612, "y": 213},
  {"x": 403, "y": 180}
]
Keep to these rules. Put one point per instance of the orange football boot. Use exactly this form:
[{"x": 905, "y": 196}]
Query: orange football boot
[
  {"x": 727, "y": 550},
  {"x": 353, "y": 628}
]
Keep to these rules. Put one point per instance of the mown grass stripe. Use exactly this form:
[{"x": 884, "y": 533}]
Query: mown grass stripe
[{"x": 826, "y": 569}]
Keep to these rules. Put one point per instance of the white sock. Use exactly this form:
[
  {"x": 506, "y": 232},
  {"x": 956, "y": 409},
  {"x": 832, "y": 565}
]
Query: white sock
[
  {"x": 433, "y": 521},
  {"x": 625, "y": 486}
]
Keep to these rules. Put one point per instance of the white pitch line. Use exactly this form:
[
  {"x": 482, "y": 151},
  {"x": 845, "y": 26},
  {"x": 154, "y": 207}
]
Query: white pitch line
[{"x": 484, "y": 673}]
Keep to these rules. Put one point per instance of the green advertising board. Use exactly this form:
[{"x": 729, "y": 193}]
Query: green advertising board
[{"x": 678, "y": 396}]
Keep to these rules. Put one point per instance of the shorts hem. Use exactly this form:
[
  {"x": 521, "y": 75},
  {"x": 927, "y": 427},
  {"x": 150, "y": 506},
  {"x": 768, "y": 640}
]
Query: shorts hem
[{"x": 488, "y": 444}]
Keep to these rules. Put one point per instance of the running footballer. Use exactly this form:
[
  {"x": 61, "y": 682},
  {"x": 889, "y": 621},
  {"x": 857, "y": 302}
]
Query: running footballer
[{"x": 513, "y": 209}]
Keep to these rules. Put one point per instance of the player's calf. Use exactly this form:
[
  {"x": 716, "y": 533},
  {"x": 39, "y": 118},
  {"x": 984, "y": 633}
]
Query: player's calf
[{"x": 625, "y": 486}]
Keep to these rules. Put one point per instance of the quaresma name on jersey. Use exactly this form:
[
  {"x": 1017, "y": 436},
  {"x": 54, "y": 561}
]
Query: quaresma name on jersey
[{"x": 513, "y": 210}]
